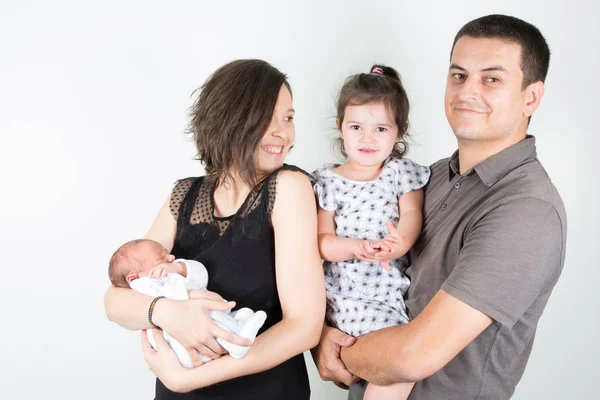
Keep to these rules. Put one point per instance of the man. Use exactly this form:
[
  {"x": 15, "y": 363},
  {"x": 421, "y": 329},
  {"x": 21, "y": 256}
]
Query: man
[{"x": 493, "y": 242}]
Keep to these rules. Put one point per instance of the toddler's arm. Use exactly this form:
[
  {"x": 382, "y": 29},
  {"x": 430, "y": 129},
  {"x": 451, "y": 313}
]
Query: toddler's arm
[
  {"x": 332, "y": 247},
  {"x": 411, "y": 221},
  {"x": 403, "y": 237}
]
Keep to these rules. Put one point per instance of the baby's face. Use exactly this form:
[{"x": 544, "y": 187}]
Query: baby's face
[
  {"x": 148, "y": 255},
  {"x": 151, "y": 254}
]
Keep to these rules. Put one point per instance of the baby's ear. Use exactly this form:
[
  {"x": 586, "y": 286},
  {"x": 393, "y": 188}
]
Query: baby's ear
[
  {"x": 170, "y": 258},
  {"x": 132, "y": 276}
]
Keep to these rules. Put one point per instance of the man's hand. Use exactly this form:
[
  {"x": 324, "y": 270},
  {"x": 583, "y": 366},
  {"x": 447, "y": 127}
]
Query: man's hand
[{"x": 327, "y": 357}]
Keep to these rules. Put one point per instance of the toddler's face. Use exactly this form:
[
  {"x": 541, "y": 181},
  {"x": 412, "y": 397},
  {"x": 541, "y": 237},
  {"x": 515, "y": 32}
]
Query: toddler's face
[{"x": 369, "y": 133}]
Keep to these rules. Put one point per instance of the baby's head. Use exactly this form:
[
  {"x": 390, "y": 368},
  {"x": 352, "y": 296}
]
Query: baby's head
[
  {"x": 373, "y": 109},
  {"x": 134, "y": 259}
]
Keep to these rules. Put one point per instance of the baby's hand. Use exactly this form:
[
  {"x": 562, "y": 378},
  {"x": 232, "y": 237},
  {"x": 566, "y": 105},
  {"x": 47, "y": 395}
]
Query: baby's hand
[{"x": 161, "y": 270}]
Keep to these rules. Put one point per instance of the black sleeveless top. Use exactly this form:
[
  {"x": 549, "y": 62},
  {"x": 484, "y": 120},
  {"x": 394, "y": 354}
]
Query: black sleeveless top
[{"x": 239, "y": 254}]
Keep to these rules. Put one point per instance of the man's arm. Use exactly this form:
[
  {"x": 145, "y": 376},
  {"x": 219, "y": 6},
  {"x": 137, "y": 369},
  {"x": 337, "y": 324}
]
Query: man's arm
[
  {"x": 507, "y": 258},
  {"x": 412, "y": 352}
]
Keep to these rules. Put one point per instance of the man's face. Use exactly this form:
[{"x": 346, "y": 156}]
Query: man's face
[{"x": 484, "y": 100}]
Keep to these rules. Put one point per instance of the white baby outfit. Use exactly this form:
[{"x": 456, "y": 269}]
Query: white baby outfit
[
  {"x": 362, "y": 296},
  {"x": 243, "y": 322}
]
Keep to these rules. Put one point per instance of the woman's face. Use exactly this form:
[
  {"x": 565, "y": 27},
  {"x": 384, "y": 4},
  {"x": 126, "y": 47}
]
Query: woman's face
[{"x": 279, "y": 137}]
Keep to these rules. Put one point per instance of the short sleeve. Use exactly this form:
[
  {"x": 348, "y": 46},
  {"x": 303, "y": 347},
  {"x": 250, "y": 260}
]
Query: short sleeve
[
  {"x": 409, "y": 175},
  {"x": 271, "y": 186},
  {"x": 178, "y": 193},
  {"x": 324, "y": 189},
  {"x": 509, "y": 257}
]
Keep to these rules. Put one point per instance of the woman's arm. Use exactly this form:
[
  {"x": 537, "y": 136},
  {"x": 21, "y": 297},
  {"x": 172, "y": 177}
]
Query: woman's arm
[
  {"x": 135, "y": 315},
  {"x": 332, "y": 247},
  {"x": 186, "y": 321},
  {"x": 301, "y": 289}
]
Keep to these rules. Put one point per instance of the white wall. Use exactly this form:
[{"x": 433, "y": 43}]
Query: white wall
[{"x": 92, "y": 109}]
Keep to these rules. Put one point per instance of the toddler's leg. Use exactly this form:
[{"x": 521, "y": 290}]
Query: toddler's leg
[{"x": 397, "y": 391}]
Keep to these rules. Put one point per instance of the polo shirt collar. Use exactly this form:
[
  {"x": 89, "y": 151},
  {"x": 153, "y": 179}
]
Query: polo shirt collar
[{"x": 497, "y": 166}]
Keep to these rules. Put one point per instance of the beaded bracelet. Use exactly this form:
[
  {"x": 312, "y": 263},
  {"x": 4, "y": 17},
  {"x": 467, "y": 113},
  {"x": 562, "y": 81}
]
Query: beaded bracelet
[{"x": 151, "y": 310}]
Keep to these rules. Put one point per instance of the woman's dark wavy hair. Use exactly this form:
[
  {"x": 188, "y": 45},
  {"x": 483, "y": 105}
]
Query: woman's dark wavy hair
[
  {"x": 374, "y": 87},
  {"x": 230, "y": 116}
]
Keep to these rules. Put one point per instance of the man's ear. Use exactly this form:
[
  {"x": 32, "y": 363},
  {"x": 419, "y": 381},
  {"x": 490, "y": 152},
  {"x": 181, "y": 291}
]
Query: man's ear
[{"x": 533, "y": 96}]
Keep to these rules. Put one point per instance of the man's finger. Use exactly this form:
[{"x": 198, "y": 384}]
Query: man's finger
[
  {"x": 340, "y": 373},
  {"x": 341, "y": 338}
]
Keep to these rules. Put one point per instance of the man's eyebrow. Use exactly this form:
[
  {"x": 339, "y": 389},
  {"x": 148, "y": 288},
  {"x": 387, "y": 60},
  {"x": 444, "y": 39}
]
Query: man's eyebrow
[
  {"x": 488, "y": 69},
  {"x": 456, "y": 66},
  {"x": 495, "y": 68}
]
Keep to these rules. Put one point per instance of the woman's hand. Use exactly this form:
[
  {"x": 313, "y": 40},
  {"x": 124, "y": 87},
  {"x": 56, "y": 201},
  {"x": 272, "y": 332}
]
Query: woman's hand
[
  {"x": 188, "y": 322},
  {"x": 164, "y": 363}
]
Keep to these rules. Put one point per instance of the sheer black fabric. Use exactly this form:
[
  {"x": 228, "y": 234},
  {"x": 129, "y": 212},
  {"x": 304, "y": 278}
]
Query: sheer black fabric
[{"x": 239, "y": 254}]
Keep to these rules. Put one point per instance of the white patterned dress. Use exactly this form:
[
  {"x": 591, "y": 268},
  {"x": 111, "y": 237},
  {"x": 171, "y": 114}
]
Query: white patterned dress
[{"x": 362, "y": 296}]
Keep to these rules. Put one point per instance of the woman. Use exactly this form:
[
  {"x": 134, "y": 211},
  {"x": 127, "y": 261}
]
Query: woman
[{"x": 252, "y": 222}]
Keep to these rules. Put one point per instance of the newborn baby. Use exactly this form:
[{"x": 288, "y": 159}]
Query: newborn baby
[{"x": 147, "y": 267}]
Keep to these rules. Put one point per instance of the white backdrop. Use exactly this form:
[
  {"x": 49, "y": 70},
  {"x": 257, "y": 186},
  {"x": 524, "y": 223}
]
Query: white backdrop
[{"x": 93, "y": 101}]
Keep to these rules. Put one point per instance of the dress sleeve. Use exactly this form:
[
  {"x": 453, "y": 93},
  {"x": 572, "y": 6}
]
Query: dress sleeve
[
  {"x": 324, "y": 187},
  {"x": 178, "y": 193},
  {"x": 271, "y": 185},
  {"x": 409, "y": 175}
]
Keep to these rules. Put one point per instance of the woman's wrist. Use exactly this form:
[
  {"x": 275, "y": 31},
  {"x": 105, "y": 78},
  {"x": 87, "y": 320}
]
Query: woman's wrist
[{"x": 161, "y": 312}]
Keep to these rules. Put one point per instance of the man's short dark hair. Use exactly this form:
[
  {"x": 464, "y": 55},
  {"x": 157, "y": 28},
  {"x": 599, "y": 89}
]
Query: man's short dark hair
[{"x": 535, "y": 54}]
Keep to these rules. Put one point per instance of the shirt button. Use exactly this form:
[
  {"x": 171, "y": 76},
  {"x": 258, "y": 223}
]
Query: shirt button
[
  {"x": 457, "y": 185},
  {"x": 444, "y": 206}
]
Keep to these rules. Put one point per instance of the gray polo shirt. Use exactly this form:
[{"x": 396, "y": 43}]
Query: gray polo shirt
[{"x": 495, "y": 239}]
